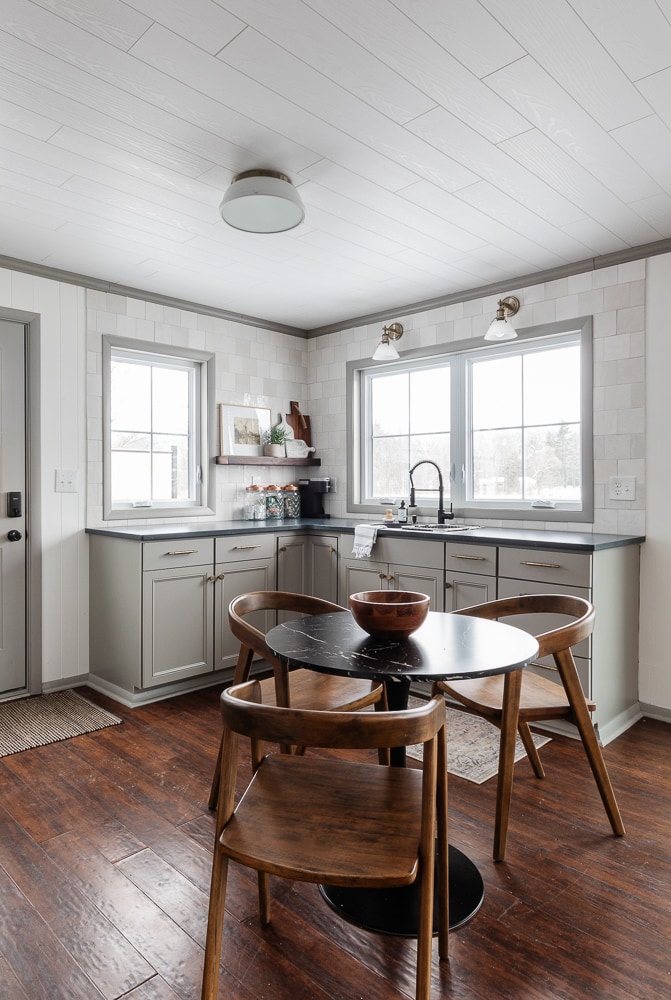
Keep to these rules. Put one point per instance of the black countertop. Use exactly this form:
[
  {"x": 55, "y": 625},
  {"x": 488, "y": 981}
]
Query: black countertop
[{"x": 532, "y": 538}]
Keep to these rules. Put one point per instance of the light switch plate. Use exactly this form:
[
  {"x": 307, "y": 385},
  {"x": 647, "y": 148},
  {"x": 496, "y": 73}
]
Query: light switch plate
[{"x": 67, "y": 481}]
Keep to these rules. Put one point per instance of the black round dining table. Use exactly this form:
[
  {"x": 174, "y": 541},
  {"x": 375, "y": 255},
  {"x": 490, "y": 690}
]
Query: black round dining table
[{"x": 445, "y": 647}]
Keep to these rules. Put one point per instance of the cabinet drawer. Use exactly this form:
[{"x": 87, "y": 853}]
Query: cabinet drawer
[
  {"x": 567, "y": 569},
  {"x": 234, "y": 548},
  {"x": 460, "y": 558},
  {"x": 176, "y": 552},
  {"x": 411, "y": 552}
]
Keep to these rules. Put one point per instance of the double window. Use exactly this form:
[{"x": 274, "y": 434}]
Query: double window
[
  {"x": 156, "y": 429},
  {"x": 508, "y": 425}
]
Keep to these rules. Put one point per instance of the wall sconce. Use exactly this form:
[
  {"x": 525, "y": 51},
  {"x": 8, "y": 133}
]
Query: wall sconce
[
  {"x": 500, "y": 328},
  {"x": 262, "y": 201},
  {"x": 385, "y": 351}
]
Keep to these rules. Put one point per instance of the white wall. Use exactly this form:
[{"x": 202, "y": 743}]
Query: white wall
[
  {"x": 62, "y": 433},
  {"x": 655, "y": 620},
  {"x": 254, "y": 367},
  {"x": 614, "y": 296}
]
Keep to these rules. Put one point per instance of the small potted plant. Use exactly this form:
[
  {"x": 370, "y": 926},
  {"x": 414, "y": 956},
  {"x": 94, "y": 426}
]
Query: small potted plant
[{"x": 274, "y": 446}]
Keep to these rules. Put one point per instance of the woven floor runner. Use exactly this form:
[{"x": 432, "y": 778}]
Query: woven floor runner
[{"x": 48, "y": 718}]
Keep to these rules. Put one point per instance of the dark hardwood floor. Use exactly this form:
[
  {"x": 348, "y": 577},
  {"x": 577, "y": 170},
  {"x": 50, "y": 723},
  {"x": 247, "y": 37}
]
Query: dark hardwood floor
[{"x": 105, "y": 845}]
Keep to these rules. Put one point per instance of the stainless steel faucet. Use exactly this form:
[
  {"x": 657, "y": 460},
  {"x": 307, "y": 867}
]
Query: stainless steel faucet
[{"x": 443, "y": 515}]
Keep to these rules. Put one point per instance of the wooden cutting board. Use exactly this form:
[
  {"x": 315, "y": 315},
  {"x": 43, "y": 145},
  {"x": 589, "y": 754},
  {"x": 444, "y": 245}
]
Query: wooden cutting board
[{"x": 300, "y": 424}]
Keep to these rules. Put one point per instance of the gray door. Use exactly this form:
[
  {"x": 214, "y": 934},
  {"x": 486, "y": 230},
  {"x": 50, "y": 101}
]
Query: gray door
[{"x": 12, "y": 509}]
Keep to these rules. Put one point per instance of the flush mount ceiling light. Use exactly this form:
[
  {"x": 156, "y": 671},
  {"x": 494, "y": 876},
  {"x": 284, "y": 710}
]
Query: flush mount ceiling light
[
  {"x": 261, "y": 201},
  {"x": 500, "y": 328},
  {"x": 385, "y": 351}
]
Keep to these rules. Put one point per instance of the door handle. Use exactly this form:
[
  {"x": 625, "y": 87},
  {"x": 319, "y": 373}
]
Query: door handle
[{"x": 14, "y": 535}]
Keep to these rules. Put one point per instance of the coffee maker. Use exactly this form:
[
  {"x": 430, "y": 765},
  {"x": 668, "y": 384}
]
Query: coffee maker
[{"x": 312, "y": 492}]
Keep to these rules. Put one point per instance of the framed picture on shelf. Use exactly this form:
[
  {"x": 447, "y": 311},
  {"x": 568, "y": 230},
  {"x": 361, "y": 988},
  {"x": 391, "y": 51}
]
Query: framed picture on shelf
[{"x": 242, "y": 429}]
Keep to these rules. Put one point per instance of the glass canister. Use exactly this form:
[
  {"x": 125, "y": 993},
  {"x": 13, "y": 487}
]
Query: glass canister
[
  {"x": 292, "y": 501},
  {"x": 255, "y": 503},
  {"x": 274, "y": 502}
]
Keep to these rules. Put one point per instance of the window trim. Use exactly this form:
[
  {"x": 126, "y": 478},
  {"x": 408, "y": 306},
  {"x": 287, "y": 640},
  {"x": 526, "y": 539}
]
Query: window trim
[
  {"x": 512, "y": 510},
  {"x": 207, "y": 429}
]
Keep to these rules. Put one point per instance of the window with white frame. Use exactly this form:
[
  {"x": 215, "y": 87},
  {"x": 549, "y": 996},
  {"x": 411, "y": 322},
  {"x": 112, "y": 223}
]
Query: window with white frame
[
  {"x": 156, "y": 429},
  {"x": 509, "y": 425}
]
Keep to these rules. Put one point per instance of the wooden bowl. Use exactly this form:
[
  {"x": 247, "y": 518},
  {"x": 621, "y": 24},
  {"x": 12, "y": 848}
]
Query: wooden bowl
[{"x": 389, "y": 614}]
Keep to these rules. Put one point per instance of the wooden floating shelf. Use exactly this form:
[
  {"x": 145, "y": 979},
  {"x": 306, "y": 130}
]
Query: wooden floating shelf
[{"x": 264, "y": 460}]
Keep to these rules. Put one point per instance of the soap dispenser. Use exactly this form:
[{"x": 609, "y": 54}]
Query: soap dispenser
[{"x": 402, "y": 515}]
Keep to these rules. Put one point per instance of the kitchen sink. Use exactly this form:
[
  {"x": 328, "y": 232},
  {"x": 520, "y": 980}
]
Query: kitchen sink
[{"x": 427, "y": 528}]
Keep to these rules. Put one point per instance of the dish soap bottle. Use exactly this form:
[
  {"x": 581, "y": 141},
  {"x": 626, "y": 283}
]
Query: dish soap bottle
[{"x": 402, "y": 513}]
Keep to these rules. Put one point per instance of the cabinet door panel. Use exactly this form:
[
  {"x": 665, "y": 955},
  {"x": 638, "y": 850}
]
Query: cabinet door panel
[
  {"x": 463, "y": 590},
  {"x": 323, "y": 568},
  {"x": 177, "y": 624},
  {"x": 233, "y": 580},
  {"x": 362, "y": 574},
  {"x": 421, "y": 581}
]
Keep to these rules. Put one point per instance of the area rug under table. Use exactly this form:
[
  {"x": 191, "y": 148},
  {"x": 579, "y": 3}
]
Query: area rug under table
[
  {"x": 48, "y": 718},
  {"x": 473, "y": 746}
]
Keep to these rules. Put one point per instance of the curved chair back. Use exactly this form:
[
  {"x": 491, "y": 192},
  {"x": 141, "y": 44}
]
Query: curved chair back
[
  {"x": 554, "y": 640},
  {"x": 270, "y": 600}
]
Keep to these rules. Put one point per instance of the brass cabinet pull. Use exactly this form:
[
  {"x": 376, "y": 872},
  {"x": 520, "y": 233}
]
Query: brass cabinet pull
[
  {"x": 448, "y": 586},
  {"x": 391, "y": 579},
  {"x": 181, "y": 552},
  {"x": 382, "y": 576},
  {"x": 221, "y": 576},
  {"x": 211, "y": 579},
  {"x": 543, "y": 565},
  {"x": 331, "y": 549},
  {"x": 474, "y": 558},
  {"x": 283, "y": 548},
  {"x": 237, "y": 548}
]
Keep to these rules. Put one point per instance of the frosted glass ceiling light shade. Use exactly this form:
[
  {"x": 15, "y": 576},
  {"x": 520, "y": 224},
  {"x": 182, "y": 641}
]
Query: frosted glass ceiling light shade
[
  {"x": 260, "y": 201},
  {"x": 385, "y": 351},
  {"x": 500, "y": 328}
]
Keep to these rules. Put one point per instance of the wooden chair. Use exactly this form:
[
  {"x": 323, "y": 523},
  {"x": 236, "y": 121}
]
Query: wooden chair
[
  {"x": 295, "y": 688},
  {"x": 340, "y": 822},
  {"x": 540, "y": 699}
]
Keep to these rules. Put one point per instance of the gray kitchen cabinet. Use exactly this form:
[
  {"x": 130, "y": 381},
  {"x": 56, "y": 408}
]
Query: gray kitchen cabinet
[
  {"x": 244, "y": 563},
  {"x": 397, "y": 564},
  {"x": 607, "y": 663},
  {"x": 308, "y": 564},
  {"x": 159, "y": 609},
  {"x": 470, "y": 575}
]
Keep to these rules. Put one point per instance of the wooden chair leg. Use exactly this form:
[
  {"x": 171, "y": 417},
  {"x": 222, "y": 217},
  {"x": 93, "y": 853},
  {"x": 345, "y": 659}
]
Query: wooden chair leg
[
  {"x": 242, "y": 671},
  {"x": 532, "y": 753},
  {"x": 583, "y": 721},
  {"x": 512, "y": 686},
  {"x": 216, "y": 778},
  {"x": 215, "y": 926},
  {"x": 264, "y": 897},
  {"x": 443, "y": 851}
]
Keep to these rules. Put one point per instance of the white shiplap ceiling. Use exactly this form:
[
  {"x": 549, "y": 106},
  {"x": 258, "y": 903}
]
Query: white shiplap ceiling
[{"x": 438, "y": 145}]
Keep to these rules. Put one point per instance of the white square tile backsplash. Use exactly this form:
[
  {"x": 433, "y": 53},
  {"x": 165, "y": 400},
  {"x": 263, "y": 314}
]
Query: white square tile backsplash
[{"x": 266, "y": 368}]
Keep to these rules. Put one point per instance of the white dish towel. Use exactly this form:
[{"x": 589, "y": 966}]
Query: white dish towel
[{"x": 364, "y": 540}]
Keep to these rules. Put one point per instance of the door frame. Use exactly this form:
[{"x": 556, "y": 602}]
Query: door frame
[{"x": 31, "y": 324}]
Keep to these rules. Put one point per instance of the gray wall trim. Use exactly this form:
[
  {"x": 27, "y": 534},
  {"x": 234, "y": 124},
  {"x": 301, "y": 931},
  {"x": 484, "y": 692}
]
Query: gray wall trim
[
  {"x": 97, "y": 284},
  {"x": 654, "y": 712},
  {"x": 501, "y": 287},
  {"x": 383, "y": 316}
]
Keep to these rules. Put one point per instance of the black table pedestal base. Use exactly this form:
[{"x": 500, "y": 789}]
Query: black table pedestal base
[{"x": 396, "y": 911}]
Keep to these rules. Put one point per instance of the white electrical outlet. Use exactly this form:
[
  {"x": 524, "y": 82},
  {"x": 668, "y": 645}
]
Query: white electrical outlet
[{"x": 622, "y": 488}]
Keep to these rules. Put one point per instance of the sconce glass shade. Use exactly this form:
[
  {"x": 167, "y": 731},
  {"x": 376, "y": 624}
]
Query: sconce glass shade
[
  {"x": 260, "y": 201},
  {"x": 385, "y": 352},
  {"x": 500, "y": 328}
]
